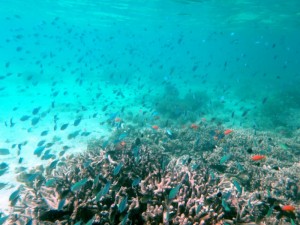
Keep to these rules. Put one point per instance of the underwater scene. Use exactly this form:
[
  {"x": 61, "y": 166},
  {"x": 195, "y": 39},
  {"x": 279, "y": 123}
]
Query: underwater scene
[{"x": 170, "y": 112}]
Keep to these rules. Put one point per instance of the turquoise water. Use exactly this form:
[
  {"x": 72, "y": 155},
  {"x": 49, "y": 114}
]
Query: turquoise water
[
  {"x": 165, "y": 63},
  {"x": 236, "y": 51}
]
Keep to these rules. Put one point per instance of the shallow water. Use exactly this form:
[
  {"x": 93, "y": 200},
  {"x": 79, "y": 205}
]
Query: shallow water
[{"x": 231, "y": 63}]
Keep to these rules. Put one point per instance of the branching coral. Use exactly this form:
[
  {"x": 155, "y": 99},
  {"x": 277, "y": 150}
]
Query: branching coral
[{"x": 155, "y": 179}]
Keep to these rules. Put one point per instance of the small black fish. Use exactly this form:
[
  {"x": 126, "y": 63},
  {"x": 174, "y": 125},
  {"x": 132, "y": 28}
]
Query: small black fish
[
  {"x": 245, "y": 113},
  {"x": 85, "y": 134},
  {"x": 104, "y": 108},
  {"x": 24, "y": 118},
  {"x": 249, "y": 150},
  {"x": 20, "y": 160},
  {"x": 137, "y": 141},
  {"x": 19, "y": 149},
  {"x": 3, "y": 168},
  {"x": 49, "y": 144},
  {"x": 55, "y": 93},
  {"x": 73, "y": 134},
  {"x": 61, "y": 153},
  {"x": 11, "y": 123},
  {"x": 47, "y": 155},
  {"x": 44, "y": 133},
  {"x": 64, "y": 126},
  {"x": 34, "y": 121},
  {"x": 36, "y": 110},
  {"x": 42, "y": 142},
  {"x": 38, "y": 151},
  {"x": 77, "y": 122},
  {"x": 264, "y": 100}
]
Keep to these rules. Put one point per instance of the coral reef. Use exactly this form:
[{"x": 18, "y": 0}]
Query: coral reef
[
  {"x": 171, "y": 105},
  {"x": 285, "y": 119},
  {"x": 192, "y": 175}
]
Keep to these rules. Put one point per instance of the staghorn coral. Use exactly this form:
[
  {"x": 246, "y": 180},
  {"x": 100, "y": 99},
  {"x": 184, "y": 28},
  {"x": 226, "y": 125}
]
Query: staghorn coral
[{"x": 144, "y": 167}]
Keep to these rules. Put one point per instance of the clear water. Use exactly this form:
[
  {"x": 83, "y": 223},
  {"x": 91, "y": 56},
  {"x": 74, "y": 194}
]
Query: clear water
[{"x": 236, "y": 62}]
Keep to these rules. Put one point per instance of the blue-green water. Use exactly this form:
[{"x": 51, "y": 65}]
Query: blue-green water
[
  {"x": 239, "y": 52},
  {"x": 233, "y": 63}
]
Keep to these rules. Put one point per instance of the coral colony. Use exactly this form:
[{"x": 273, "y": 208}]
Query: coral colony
[{"x": 202, "y": 174}]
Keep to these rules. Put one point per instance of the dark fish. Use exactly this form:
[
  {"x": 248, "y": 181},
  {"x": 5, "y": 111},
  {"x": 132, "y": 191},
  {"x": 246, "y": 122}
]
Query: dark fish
[
  {"x": 29, "y": 222},
  {"x": 49, "y": 144},
  {"x": 38, "y": 151},
  {"x": 136, "y": 181},
  {"x": 4, "y": 151},
  {"x": 50, "y": 182},
  {"x": 36, "y": 110},
  {"x": 104, "y": 108},
  {"x": 15, "y": 195},
  {"x": 3, "y": 168},
  {"x": 19, "y": 48},
  {"x": 103, "y": 191},
  {"x": 55, "y": 93},
  {"x": 117, "y": 169},
  {"x": 78, "y": 185},
  {"x": 44, "y": 133},
  {"x": 123, "y": 204},
  {"x": 34, "y": 121},
  {"x": 124, "y": 220},
  {"x": 24, "y": 118},
  {"x": 85, "y": 133},
  {"x": 73, "y": 134},
  {"x": 47, "y": 155},
  {"x": 189, "y": 161},
  {"x": 61, "y": 204},
  {"x": 20, "y": 160},
  {"x": 11, "y": 123},
  {"x": 61, "y": 153},
  {"x": 41, "y": 142},
  {"x": 77, "y": 122},
  {"x": 66, "y": 147},
  {"x": 64, "y": 126},
  {"x": 245, "y": 113},
  {"x": 53, "y": 164},
  {"x": 264, "y": 100},
  {"x": 237, "y": 186},
  {"x": 174, "y": 191}
]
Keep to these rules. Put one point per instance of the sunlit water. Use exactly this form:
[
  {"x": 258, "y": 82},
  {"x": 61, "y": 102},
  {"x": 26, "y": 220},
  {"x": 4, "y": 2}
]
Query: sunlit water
[{"x": 233, "y": 61}]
